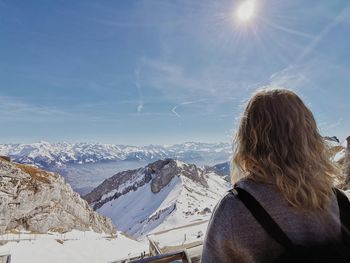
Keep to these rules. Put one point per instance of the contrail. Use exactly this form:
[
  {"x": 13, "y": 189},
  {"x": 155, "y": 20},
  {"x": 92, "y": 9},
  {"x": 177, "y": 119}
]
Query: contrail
[
  {"x": 138, "y": 86},
  {"x": 173, "y": 110},
  {"x": 281, "y": 75}
]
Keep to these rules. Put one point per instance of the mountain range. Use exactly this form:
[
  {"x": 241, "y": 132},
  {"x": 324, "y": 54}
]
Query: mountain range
[{"x": 48, "y": 155}]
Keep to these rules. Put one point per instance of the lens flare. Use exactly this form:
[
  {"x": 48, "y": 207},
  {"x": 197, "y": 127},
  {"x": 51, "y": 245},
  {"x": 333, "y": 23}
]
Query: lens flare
[{"x": 246, "y": 10}]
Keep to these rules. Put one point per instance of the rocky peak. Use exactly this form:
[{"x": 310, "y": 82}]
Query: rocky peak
[
  {"x": 40, "y": 201},
  {"x": 331, "y": 138},
  {"x": 5, "y": 158},
  {"x": 130, "y": 179},
  {"x": 165, "y": 170},
  {"x": 346, "y": 166}
]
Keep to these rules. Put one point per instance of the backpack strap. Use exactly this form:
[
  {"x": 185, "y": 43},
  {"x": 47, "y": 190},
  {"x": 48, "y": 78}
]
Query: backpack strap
[
  {"x": 263, "y": 218},
  {"x": 275, "y": 231},
  {"x": 344, "y": 214}
]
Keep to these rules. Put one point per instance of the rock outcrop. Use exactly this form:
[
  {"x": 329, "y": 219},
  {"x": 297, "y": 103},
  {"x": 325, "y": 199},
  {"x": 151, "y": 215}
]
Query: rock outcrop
[
  {"x": 340, "y": 155},
  {"x": 40, "y": 201},
  {"x": 165, "y": 170},
  {"x": 346, "y": 164}
]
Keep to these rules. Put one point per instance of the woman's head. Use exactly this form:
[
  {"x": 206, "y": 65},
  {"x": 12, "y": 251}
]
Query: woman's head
[{"x": 278, "y": 142}]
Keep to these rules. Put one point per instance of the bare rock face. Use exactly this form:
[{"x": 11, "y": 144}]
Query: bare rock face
[
  {"x": 331, "y": 138},
  {"x": 40, "y": 201},
  {"x": 346, "y": 163},
  {"x": 6, "y": 158},
  {"x": 165, "y": 170}
]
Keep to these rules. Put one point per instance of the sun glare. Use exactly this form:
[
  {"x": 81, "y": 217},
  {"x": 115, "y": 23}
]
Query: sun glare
[{"x": 246, "y": 10}]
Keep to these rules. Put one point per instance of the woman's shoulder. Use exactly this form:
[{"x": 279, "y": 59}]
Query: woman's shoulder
[
  {"x": 228, "y": 208},
  {"x": 231, "y": 208},
  {"x": 230, "y": 200}
]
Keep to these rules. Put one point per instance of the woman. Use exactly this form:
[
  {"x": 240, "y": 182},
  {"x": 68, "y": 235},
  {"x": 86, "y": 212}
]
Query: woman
[{"x": 283, "y": 163}]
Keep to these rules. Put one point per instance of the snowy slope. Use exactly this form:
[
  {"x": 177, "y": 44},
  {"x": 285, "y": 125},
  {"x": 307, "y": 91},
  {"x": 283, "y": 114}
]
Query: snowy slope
[
  {"x": 160, "y": 196},
  {"x": 73, "y": 247},
  {"x": 194, "y": 202}
]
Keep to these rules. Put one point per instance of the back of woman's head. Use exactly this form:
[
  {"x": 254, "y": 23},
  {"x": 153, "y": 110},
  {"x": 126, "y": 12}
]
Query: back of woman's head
[{"x": 278, "y": 142}]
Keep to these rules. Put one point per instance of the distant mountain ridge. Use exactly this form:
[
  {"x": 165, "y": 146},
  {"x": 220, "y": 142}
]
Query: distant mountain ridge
[
  {"x": 45, "y": 154},
  {"x": 222, "y": 169}
]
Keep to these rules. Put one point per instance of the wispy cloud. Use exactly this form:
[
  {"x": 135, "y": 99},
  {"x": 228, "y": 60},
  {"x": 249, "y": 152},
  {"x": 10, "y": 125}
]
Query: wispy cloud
[
  {"x": 140, "y": 107},
  {"x": 139, "y": 91},
  {"x": 15, "y": 109},
  {"x": 308, "y": 49},
  {"x": 12, "y": 108},
  {"x": 171, "y": 79},
  {"x": 285, "y": 29},
  {"x": 332, "y": 125},
  {"x": 174, "y": 82},
  {"x": 295, "y": 74}
]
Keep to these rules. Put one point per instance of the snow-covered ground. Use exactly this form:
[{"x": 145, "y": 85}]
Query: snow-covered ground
[{"x": 72, "y": 247}]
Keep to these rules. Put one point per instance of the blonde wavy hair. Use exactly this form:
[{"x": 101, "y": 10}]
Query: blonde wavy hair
[{"x": 278, "y": 142}]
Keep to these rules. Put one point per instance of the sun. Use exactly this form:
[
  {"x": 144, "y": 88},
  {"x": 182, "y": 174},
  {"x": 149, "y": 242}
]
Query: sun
[{"x": 246, "y": 10}]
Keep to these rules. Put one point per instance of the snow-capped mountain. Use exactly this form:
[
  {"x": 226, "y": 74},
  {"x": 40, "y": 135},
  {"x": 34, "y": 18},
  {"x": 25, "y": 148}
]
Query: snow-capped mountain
[
  {"x": 44, "y": 154},
  {"x": 223, "y": 169},
  {"x": 159, "y": 196},
  {"x": 336, "y": 150},
  {"x": 39, "y": 201}
]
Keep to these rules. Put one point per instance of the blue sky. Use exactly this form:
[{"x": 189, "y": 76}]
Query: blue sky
[{"x": 158, "y": 71}]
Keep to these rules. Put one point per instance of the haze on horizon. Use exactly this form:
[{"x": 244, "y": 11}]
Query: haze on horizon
[{"x": 145, "y": 72}]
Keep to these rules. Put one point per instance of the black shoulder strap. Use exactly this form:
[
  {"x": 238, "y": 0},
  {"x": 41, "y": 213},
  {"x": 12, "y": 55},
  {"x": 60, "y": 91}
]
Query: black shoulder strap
[
  {"x": 263, "y": 218},
  {"x": 274, "y": 230},
  {"x": 344, "y": 214}
]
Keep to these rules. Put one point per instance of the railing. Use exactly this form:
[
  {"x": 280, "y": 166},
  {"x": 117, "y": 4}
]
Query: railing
[
  {"x": 5, "y": 258},
  {"x": 191, "y": 255},
  {"x": 180, "y": 256}
]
